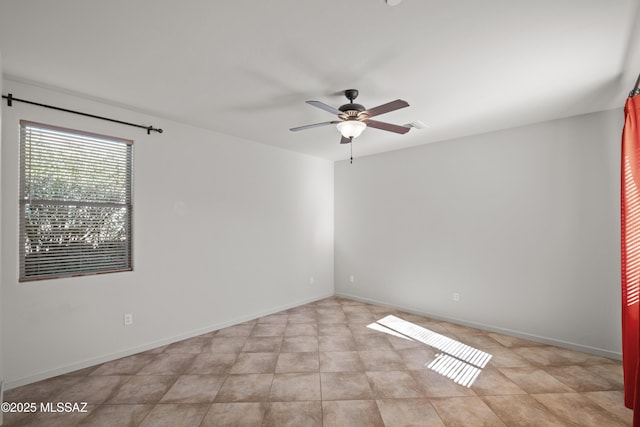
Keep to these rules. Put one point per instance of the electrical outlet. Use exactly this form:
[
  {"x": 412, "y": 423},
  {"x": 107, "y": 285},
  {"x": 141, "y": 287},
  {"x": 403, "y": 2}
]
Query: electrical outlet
[
  {"x": 352, "y": 279},
  {"x": 456, "y": 296},
  {"x": 128, "y": 319},
  {"x": 311, "y": 280}
]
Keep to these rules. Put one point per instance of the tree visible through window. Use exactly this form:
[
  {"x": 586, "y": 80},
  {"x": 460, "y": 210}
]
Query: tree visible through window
[{"x": 75, "y": 201}]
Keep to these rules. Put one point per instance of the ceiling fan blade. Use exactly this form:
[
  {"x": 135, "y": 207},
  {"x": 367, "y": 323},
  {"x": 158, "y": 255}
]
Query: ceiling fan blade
[
  {"x": 344, "y": 140},
  {"x": 325, "y": 107},
  {"x": 315, "y": 125},
  {"x": 387, "y": 126},
  {"x": 386, "y": 108}
]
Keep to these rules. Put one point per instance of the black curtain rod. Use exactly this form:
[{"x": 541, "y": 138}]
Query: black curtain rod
[{"x": 10, "y": 99}]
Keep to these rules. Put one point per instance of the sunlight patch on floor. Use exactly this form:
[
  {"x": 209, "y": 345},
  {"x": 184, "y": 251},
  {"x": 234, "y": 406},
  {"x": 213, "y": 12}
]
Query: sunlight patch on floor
[{"x": 459, "y": 362}]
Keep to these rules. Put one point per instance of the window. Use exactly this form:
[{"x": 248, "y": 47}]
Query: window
[{"x": 75, "y": 203}]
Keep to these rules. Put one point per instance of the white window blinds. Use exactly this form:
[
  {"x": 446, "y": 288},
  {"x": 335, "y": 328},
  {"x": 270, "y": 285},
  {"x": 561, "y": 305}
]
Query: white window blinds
[{"x": 75, "y": 201}]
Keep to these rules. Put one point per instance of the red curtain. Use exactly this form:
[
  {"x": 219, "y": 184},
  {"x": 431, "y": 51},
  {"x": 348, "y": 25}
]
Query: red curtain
[{"x": 630, "y": 221}]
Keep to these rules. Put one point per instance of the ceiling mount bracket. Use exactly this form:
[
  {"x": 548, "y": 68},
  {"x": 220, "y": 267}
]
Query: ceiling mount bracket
[{"x": 351, "y": 94}]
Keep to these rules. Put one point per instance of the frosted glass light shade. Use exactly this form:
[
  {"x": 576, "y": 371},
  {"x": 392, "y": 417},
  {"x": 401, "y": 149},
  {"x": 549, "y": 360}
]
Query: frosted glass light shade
[{"x": 351, "y": 128}]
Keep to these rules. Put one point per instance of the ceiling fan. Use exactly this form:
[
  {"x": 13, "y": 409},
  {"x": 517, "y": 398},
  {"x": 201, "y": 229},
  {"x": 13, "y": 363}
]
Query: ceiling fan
[{"x": 354, "y": 118}]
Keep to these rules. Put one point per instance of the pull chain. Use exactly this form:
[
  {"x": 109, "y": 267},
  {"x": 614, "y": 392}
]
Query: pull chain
[{"x": 351, "y": 147}]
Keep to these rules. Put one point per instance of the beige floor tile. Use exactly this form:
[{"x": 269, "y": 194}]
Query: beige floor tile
[
  {"x": 336, "y": 343},
  {"x": 116, "y": 415},
  {"x": 227, "y": 344},
  {"x": 352, "y": 413},
  {"x": 554, "y": 356},
  {"x": 507, "y": 358},
  {"x": 340, "y": 361},
  {"x": 298, "y": 386},
  {"x": 492, "y": 382},
  {"x": 481, "y": 341},
  {"x": 612, "y": 402},
  {"x": 301, "y": 344},
  {"x": 419, "y": 358},
  {"x": 301, "y": 329},
  {"x": 465, "y": 412},
  {"x": 143, "y": 389},
  {"x": 578, "y": 409},
  {"x": 239, "y": 414},
  {"x": 436, "y": 385},
  {"x": 245, "y": 388},
  {"x": 384, "y": 360},
  {"x": 372, "y": 342},
  {"x": 269, "y": 330},
  {"x": 42, "y": 391},
  {"x": 93, "y": 389},
  {"x": 212, "y": 364},
  {"x": 430, "y": 324},
  {"x": 302, "y": 309},
  {"x": 330, "y": 315},
  {"x": 408, "y": 412},
  {"x": 364, "y": 318},
  {"x": 401, "y": 343},
  {"x": 293, "y": 414},
  {"x": 168, "y": 364},
  {"x": 302, "y": 317},
  {"x": 612, "y": 373},
  {"x": 262, "y": 344},
  {"x": 523, "y": 411},
  {"x": 535, "y": 380},
  {"x": 194, "y": 389},
  {"x": 255, "y": 363},
  {"x": 349, "y": 308},
  {"x": 455, "y": 329},
  {"x": 580, "y": 378},
  {"x": 394, "y": 384},
  {"x": 362, "y": 329},
  {"x": 298, "y": 362},
  {"x": 345, "y": 385},
  {"x": 171, "y": 415},
  {"x": 333, "y": 329}
]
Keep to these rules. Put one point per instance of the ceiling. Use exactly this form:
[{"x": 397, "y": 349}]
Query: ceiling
[{"x": 245, "y": 67}]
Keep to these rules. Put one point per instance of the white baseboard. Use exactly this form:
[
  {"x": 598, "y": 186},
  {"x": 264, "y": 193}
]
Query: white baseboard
[
  {"x": 490, "y": 328},
  {"x": 149, "y": 346}
]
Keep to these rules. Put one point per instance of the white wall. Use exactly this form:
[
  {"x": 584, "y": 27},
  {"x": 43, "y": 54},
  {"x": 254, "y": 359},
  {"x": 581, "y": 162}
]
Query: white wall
[
  {"x": 1, "y": 266},
  {"x": 522, "y": 223},
  {"x": 224, "y": 230}
]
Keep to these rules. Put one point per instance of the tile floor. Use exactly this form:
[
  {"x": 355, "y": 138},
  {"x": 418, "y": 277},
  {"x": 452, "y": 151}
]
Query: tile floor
[{"x": 319, "y": 365}]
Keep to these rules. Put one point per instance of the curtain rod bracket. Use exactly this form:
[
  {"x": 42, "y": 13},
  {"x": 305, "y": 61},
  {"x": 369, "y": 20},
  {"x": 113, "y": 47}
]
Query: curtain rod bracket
[{"x": 9, "y": 100}]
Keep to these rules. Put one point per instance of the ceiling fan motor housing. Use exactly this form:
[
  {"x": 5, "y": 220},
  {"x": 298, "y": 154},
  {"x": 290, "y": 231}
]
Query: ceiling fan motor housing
[{"x": 351, "y": 109}]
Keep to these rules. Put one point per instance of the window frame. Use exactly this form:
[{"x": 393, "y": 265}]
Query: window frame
[{"x": 25, "y": 200}]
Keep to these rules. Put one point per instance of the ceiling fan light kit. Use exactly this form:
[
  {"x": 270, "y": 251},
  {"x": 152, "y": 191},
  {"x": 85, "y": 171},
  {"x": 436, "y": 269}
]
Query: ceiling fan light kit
[{"x": 351, "y": 128}]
